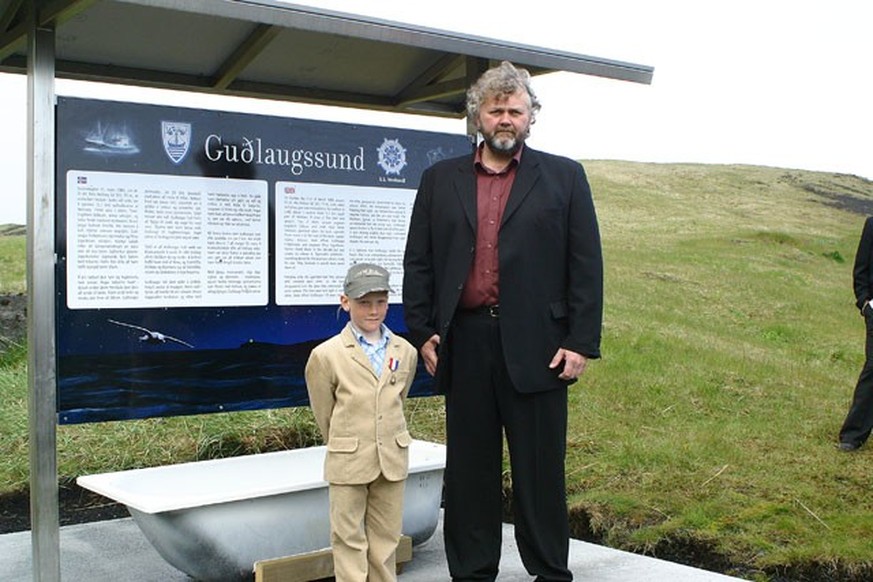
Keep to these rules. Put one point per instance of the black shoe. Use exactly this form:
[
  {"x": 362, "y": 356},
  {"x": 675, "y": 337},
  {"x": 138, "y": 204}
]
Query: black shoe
[{"x": 848, "y": 447}]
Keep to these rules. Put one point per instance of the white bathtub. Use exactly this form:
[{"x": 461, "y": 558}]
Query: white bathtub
[{"x": 214, "y": 519}]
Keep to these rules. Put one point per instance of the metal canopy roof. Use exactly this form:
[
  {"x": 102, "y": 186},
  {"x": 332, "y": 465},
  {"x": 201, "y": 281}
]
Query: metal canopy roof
[{"x": 276, "y": 50}]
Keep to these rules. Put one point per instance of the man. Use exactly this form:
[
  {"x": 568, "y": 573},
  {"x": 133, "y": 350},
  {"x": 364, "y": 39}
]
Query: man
[
  {"x": 502, "y": 294},
  {"x": 859, "y": 420}
]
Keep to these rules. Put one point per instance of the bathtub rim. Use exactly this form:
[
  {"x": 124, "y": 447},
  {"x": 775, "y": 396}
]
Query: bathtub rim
[{"x": 107, "y": 484}]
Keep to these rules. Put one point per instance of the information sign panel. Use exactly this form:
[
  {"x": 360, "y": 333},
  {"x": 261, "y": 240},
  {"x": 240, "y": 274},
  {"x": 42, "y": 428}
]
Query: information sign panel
[{"x": 200, "y": 254}]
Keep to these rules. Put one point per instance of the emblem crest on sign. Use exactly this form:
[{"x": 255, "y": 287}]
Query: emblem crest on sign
[
  {"x": 176, "y": 136},
  {"x": 392, "y": 156}
]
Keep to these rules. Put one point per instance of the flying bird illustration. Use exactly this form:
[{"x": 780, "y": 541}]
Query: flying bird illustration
[{"x": 151, "y": 337}]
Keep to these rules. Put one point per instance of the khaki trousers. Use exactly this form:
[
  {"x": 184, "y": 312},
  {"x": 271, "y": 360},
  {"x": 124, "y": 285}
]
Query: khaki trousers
[{"x": 365, "y": 523}]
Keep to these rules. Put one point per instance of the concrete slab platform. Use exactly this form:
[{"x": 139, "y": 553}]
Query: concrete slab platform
[{"x": 117, "y": 551}]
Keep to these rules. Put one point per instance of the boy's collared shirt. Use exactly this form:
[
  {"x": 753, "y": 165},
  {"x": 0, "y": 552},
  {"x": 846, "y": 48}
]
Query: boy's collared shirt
[{"x": 375, "y": 352}]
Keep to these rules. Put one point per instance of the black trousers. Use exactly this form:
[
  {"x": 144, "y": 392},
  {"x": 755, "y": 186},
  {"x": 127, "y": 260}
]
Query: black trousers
[
  {"x": 859, "y": 421},
  {"x": 482, "y": 405}
]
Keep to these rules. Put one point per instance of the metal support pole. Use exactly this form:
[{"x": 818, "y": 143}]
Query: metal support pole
[{"x": 42, "y": 403}]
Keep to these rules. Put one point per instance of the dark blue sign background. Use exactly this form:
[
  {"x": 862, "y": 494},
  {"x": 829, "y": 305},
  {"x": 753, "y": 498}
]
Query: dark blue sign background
[{"x": 244, "y": 358}]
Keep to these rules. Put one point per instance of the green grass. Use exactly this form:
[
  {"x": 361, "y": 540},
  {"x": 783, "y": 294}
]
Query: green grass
[
  {"x": 731, "y": 347},
  {"x": 13, "y": 275}
]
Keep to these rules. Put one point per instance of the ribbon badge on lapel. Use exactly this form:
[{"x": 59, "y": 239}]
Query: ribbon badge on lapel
[{"x": 393, "y": 364}]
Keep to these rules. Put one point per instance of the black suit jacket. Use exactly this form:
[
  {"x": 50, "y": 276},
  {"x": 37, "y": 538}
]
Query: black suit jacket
[
  {"x": 551, "y": 268},
  {"x": 862, "y": 273}
]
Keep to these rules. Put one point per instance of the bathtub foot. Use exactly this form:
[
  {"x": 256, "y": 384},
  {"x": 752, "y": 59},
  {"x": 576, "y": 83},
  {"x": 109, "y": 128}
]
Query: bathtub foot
[{"x": 313, "y": 566}]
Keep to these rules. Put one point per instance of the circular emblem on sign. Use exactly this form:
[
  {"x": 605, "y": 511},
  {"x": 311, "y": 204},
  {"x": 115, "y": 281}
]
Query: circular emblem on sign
[{"x": 392, "y": 156}]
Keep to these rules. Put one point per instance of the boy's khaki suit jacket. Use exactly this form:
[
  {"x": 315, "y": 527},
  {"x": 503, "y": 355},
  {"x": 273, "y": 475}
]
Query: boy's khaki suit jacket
[{"x": 360, "y": 415}]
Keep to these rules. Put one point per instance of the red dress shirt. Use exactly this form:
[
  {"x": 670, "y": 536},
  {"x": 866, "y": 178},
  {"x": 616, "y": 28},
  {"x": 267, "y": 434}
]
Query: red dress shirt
[{"x": 492, "y": 190}]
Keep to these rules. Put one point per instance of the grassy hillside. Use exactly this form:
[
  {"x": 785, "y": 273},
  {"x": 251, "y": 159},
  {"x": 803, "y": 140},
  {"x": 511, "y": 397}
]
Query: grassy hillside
[
  {"x": 731, "y": 347},
  {"x": 706, "y": 433},
  {"x": 12, "y": 229}
]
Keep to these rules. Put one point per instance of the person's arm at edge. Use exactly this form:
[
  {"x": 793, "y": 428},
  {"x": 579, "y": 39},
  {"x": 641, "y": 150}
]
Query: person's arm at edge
[
  {"x": 418, "y": 278},
  {"x": 585, "y": 285},
  {"x": 321, "y": 396},
  {"x": 861, "y": 270}
]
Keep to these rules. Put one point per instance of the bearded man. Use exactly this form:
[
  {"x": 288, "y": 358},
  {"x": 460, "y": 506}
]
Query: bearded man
[{"x": 503, "y": 297}]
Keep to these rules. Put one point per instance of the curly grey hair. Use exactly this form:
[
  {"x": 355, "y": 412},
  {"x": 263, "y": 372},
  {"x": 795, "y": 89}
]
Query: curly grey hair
[{"x": 504, "y": 79}]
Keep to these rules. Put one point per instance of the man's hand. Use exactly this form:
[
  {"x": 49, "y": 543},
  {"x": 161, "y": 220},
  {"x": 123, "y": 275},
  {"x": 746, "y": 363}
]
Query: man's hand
[
  {"x": 429, "y": 354},
  {"x": 574, "y": 364}
]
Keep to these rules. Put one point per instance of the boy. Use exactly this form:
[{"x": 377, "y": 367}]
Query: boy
[{"x": 357, "y": 382}]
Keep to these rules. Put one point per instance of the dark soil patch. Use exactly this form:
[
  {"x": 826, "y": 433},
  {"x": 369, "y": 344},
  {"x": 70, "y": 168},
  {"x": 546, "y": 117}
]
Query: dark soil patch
[
  {"x": 75, "y": 505},
  {"x": 703, "y": 554},
  {"x": 13, "y": 320},
  {"x": 841, "y": 191}
]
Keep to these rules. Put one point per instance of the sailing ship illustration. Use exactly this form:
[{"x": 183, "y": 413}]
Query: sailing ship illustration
[{"x": 110, "y": 140}]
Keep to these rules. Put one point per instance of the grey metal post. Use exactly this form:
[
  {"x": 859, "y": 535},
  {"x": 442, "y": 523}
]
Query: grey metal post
[{"x": 42, "y": 404}]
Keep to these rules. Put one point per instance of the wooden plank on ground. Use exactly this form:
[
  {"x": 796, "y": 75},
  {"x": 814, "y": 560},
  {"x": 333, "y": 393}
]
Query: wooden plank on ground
[{"x": 313, "y": 565}]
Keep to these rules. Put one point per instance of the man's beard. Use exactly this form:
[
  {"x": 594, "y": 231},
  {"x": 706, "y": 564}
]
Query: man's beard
[{"x": 501, "y": 144}]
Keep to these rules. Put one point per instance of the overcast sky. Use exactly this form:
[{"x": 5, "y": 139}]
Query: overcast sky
[{"x": 771, "y": 82}]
